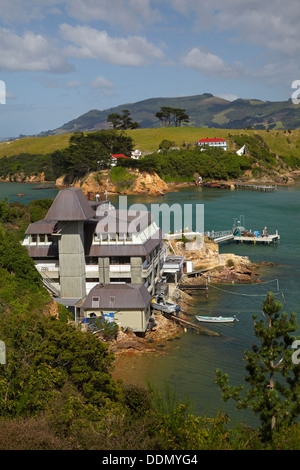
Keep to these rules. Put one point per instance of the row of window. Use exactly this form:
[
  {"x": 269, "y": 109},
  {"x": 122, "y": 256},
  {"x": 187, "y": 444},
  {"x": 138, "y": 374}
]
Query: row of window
[
  {"x": 112, "y": 237},
  {"x": 42, "y": 238}
]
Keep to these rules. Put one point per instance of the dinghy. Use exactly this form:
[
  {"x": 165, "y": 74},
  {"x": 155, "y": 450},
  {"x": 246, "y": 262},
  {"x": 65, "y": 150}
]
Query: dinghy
[
  {"x": 216, "y": 319},
  {"x": 159, "y": 303}
]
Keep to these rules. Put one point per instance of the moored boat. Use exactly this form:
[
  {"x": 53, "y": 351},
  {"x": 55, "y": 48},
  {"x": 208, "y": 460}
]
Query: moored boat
[
  {"x": 158, "y": 302},
  {"x": 219, "y": 319}
]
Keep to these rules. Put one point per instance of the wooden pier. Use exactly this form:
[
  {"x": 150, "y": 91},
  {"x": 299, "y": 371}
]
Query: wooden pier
[
  {"x": 197, "y": 287},
  {"x": 256, "y": 187},
  {"x": 193, "y": 326},
  {"x": 227, "y": 236},
  {"x": 262, "y": 240}
]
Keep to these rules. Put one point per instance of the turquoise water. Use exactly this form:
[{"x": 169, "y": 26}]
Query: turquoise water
[
  {"x": 189, "y": 367},
  {"x": 190, "y": 364},
  {"x": 30, "y": 191}
]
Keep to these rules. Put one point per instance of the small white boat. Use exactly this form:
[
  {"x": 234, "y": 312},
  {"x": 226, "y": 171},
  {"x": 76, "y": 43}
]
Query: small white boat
[
  {"x": 158, "y": 302},
  {"x": 217, "y": 319}
]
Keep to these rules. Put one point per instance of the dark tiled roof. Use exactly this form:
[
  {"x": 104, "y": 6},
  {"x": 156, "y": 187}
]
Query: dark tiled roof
[
  {"x": 43, "y": 251},
  {"x": 70, "y": 205},
  {"x": 119, "y": 296},
  {"x": 42, "y": 226}
]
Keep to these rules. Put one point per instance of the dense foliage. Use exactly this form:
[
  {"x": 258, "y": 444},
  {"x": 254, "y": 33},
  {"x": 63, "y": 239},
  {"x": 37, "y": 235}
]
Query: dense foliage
[
  {"x": 181, "y": 165},
  {"x": 85, "y": 153},
  {"x": 92, "y": 152}
]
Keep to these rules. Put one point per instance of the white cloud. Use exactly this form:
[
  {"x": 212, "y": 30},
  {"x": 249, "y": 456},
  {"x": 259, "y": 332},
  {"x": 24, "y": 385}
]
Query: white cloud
[
  {"x": 271, "y": 24},
  {"x": 23, "y": 11},
  {"x": 103, "y": 85},
  {"x": 101, "y": 82},
  {"x": 30, "y": 52},
  {"x": 210, "y": 64},
  {"x": 91, "y": 43},
  {"x": 130, "y": 14}
]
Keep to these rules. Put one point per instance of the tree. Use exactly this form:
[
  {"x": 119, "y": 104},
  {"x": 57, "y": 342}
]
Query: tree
[
  {"x": 277, "y": 402},
  {"x": 180, "y": 116},
  {"x": 122, "y": 121},
  {"x": 91, "y": 152},
  {"x": 167, "y": 115},
  {"x": 114, "y": 119},
  {"x": 164, "y": 115}
]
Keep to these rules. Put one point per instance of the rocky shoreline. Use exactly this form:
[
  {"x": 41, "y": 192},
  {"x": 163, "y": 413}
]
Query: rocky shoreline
[
  {"x": 215, "y": 268},
  {"x": 147, "y": 183}
]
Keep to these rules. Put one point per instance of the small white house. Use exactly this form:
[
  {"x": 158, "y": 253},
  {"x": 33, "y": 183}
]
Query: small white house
[{"x": 136, "y": 154}]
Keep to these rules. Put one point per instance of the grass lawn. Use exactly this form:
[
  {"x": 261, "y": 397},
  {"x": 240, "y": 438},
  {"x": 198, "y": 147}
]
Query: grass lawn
[{"x": 147, "y": 140}]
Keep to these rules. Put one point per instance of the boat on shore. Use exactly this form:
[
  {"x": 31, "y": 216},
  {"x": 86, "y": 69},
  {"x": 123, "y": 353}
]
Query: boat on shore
[
  {"x": 219, "y": 319},
  {"x": 158, "y": 302}
]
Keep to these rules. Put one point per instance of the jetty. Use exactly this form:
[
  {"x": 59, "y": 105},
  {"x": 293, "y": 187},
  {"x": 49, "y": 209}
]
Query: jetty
[
  {"x": 239, "y": 234},
  {"x": 256, "y": 187},
  {"x": 257, "y": 239},
  {"x": 193, "y": 326}
]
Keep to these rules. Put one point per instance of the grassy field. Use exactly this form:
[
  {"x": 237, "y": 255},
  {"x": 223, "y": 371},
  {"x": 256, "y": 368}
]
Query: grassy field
[
  {"x": 34, "y": 145},
  {"x": 147, "y": 140}
]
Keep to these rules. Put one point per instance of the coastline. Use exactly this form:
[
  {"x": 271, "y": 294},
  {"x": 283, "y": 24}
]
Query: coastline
[{"x": 146, "y": 183}]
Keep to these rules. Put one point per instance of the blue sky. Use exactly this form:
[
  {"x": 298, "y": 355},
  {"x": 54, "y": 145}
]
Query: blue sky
[{"x": 59, "y": 59}]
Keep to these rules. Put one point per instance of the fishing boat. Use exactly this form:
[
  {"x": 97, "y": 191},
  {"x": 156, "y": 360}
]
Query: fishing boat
[
  {"x": 219, "y": 319},
  {"x": 158, "y": 302}
]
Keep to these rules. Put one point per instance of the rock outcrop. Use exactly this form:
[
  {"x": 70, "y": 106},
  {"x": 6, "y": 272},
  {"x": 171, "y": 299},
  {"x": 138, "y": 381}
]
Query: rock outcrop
[
  {"x": 226, "y": 267},
  {"x": 139, "y": 183}
]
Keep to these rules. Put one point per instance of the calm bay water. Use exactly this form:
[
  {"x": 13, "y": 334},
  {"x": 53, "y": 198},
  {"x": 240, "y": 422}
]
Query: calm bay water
[{"x": 190, "y": 363}]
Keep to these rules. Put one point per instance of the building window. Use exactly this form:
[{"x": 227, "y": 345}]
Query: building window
[
  {"x": 92, "y": 260},
  {"x": 33, "y": 238},
  {"x": 42, "y": 238},
  {"x": 95, "y": 302},
  {"x": 120, "y": 260}
]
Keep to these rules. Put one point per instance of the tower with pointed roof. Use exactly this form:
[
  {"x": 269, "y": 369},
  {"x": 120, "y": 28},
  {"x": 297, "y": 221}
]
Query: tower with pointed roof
[{"x": 71, "y": 209}]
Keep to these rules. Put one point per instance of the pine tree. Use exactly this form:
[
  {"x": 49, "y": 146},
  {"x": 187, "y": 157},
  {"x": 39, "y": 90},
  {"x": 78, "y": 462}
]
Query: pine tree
[{"x": 274, "y": 380}]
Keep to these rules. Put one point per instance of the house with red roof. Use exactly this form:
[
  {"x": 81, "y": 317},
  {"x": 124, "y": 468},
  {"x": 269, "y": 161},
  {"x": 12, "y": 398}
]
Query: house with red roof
[
  {"x": 215, "y": 142},
  {"x": 114, "y": 158}
]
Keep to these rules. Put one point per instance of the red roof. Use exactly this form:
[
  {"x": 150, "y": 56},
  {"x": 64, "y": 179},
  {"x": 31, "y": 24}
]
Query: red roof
[
  {"x": 119, "y": 155},
  {"x": 212, "y": 140}
]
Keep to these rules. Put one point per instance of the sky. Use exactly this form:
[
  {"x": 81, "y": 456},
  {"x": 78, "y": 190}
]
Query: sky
[{"x": 60, "y": 59}]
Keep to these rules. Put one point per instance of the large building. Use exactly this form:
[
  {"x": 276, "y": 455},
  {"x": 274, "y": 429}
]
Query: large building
[
  {"x": 218, "y": 143},
  {"x": 82, "y": 245}
]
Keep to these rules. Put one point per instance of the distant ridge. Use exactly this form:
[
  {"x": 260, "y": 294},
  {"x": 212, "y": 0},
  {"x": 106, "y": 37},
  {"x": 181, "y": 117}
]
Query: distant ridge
[{"x": 204, "y": 110}]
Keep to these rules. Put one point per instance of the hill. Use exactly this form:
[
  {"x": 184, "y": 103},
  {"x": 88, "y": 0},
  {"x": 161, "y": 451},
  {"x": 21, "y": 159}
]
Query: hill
[
  {"x": 286, "y": 143},
  {"x": 204, "y": 110}
]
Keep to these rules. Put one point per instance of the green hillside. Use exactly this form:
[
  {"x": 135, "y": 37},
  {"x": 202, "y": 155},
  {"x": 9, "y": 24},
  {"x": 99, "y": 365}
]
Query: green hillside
[
  {"x": 286, "y": 143},
  {"x": 204, "y": 110},
  {"x": 34, "y": 145}
]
